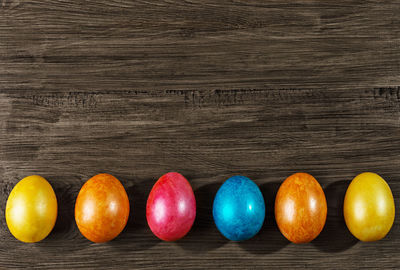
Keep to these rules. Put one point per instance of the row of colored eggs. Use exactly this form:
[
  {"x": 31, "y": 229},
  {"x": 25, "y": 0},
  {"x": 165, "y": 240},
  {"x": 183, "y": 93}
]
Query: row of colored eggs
[{"x": 102, "y": 208}]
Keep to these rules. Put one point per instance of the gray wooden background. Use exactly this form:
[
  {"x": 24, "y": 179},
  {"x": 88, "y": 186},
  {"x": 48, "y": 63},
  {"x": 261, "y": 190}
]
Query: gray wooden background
[{"x": 209, "y": 89}]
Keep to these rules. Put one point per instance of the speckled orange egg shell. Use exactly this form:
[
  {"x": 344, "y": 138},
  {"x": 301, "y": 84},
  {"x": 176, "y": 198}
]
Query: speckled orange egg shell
[
  {"x": 300, "y": 208},
  {"x": 102, "y": 208}
]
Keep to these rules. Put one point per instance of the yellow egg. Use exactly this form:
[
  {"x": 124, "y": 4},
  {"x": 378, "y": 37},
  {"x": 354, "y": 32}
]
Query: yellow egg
[
  {"x": 369, "y": 207},
  {"x": 31, "y": 209}
]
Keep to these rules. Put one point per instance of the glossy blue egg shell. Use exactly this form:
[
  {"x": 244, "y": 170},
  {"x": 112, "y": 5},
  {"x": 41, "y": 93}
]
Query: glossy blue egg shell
[{"x": 239, "y": 208}]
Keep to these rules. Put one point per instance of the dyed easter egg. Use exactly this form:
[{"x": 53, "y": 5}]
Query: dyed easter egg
[
  {"x": 31, "y": 209},
  {"x": 171, "y": 207},
  {"x": 239, "y": 208},
  {"x": 369, "y": 207},
  {"x": 300, "y": 208},
  {"x": 102, "y": 208}
]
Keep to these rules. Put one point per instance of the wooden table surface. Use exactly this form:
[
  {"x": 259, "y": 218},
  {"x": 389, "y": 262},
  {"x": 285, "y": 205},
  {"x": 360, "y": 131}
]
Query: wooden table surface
[{"x": 209, "y": 89}]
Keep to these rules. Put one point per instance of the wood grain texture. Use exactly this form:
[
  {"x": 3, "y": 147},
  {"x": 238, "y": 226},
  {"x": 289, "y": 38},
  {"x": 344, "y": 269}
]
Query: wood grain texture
[
  {"x": 226, "y": 44},
  {"x": 208, "y": 89},
  {"x": 67, "y": 137}
]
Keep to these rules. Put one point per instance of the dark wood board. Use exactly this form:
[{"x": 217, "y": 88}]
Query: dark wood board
[
  {"x": 207, "y": 136},
  {"x": 208, "y": 89},
  {"x": 129, "y": 45}
]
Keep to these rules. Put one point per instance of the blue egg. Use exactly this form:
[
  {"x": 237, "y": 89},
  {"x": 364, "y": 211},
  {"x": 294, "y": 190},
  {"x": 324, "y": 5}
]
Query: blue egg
[{"x": 239, "y": 208}]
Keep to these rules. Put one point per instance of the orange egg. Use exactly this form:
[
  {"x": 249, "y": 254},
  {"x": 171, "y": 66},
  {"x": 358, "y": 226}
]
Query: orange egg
[
  {"x": 300, "y": 208},
  {"x": 102, "y": 208}
]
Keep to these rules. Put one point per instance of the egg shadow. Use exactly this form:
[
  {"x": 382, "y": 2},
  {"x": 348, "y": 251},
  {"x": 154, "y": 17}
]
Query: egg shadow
[
  {"x": 66, "y": 217},
  {"x": 335, "y": 237},
  {"x": 204, "y": 235},
  {"x": 136, "y": 234},
  {"x": 269, "y": 239},
  {"x": 65, "y": 228}
]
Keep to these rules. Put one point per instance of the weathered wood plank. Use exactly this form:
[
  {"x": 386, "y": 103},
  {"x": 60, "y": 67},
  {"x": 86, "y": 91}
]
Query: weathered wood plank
[
  {"x": 125, "y": 45},
  {"x": 209, "y": 89},
  {"x": 69, "y": 136}
]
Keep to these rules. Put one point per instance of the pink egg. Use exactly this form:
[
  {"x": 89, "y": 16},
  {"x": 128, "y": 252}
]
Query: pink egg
[{"x": 171, "y": 207}]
